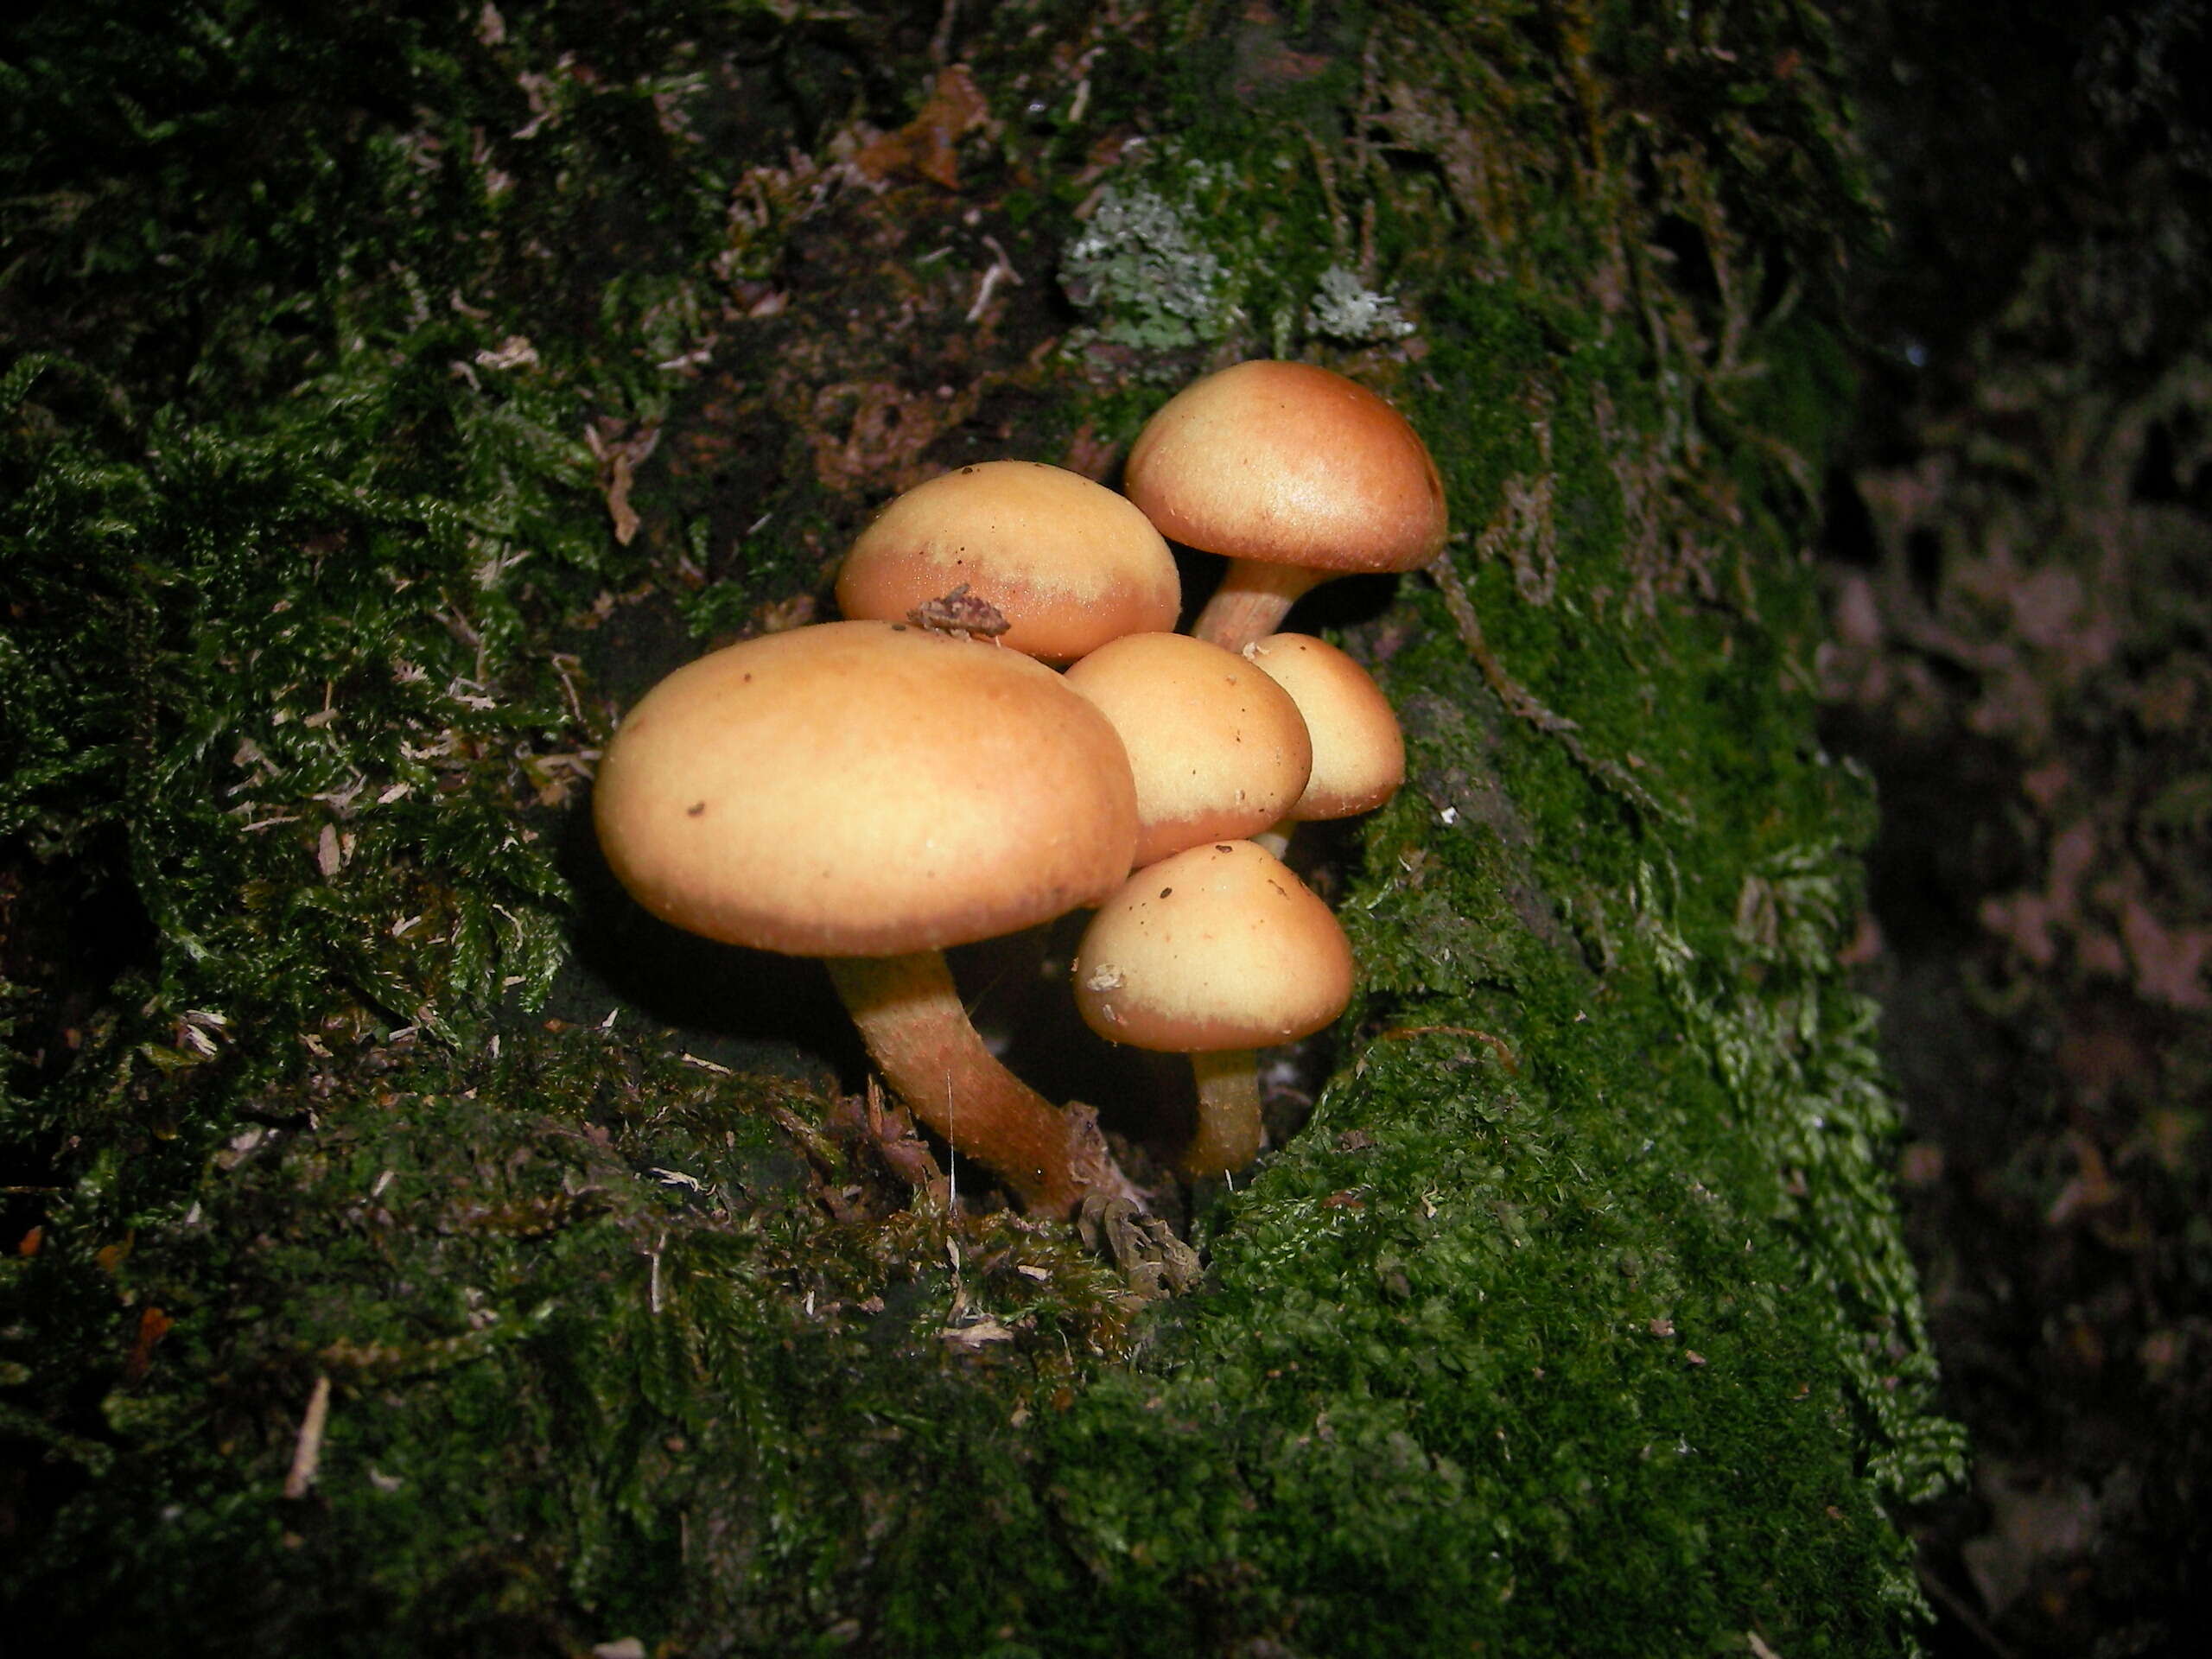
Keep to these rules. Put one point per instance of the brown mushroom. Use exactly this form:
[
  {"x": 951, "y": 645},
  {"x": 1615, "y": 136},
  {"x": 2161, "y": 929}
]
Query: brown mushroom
[
  {"x": 1217, "y": 749},
  {"x": 1359, "y": 751},
  {"x": 1295, "y": 475},
  {"x": 871, "y": 793},
  {"x": 1066, "y": 563},
  {"x": 1213, "y": 953}
]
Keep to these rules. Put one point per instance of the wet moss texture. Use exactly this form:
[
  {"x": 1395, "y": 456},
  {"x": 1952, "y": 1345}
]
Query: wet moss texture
[{"x": 385, "y": 401}]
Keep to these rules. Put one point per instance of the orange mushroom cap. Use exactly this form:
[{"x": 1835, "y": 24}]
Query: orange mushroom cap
[
  {"x": 1219, "y": 947},
  {"x": 1217, "y": 749},
  {"x": 1359, "y": 751},
  {"x": 1067, "y": 562},
  {"x": 1285, "y": 463},
  {"x": 864, "y": 789}
]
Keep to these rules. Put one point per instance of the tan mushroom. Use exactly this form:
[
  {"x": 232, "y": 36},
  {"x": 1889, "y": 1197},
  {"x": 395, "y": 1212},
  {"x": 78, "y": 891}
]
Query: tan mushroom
[
  {"x": 1066, "y": 563},
  {"x": 1359, "y": 751},
  {"x": 1214, "y": 953},
  {"x": 1293, "y": 474},
  {"x": 871, "y": 793},
  {"x": 1217, "y": 749}
]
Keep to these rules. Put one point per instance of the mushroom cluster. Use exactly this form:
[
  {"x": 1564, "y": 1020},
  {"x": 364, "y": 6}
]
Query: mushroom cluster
[{"x": 918, "y": 776}]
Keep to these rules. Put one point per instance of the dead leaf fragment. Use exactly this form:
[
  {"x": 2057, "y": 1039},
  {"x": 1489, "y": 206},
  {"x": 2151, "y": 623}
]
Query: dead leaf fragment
[
  {"x": 927, "y": 146},
  {"x": 972, "y": 1338},
  {"x": 153, "y": 1325},
  {"x": 619, "y": 459}
]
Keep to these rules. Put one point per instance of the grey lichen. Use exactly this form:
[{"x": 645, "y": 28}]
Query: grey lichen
[
  {"x": 1141, "y": 269},
  {"x": 1344, "y": 309}
]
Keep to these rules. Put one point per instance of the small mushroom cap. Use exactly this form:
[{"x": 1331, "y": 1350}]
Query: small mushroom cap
[
  {"x": 1217, "y": 749},
  {"x": 864, "y": 789},
  {"x": 1068, "y": 562},
  {"x": 1289, "y": 464},
  {"x": 1218, "y": 947},
  {"x": 1359, "y": 752}
]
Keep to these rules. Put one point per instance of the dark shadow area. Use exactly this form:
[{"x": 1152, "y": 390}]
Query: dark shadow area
[
  {"x": 1339, "y": 602},
  {"x": 749, "y": 1010},
  {"x": 2018, "y": 550}
]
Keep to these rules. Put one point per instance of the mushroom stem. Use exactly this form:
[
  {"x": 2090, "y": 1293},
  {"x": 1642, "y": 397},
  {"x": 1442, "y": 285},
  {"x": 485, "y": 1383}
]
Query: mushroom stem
[
  {"x": 910, "y": 1015},
  {"x": 1252, "y": 600},
  {"x": 1228, "y": 1136}
]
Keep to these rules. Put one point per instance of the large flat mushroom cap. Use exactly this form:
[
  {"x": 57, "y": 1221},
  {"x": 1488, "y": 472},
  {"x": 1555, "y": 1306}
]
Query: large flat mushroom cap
[
  {"x": 864, "y": 789},
  {"x": 1220, "y": 947},
  {"x": 1285, "y": 463},
  {"x": 1066, "y": 561}
]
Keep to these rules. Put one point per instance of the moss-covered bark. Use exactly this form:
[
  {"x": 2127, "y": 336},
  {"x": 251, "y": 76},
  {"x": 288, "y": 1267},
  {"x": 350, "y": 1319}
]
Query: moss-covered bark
[{"x": 384, "y": 405}]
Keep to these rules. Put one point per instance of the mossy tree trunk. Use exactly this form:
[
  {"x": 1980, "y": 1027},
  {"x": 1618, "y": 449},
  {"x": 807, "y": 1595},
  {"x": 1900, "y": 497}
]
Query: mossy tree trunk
[{"x": 386, "y": 402}]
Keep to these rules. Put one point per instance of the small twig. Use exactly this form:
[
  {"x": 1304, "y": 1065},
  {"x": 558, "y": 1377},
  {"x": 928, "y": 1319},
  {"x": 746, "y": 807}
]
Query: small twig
[
  {"x": 1325, "y": 172},
  {"x": 959, "y": 1288},
  {"x": 1002, "y": 271},
  {"x": 1959, "y": 1610},
  {"x": 951, "y": 1152},
  {"x": 941, "y": 41},
  {"x": 1496, "y": 1045},
  {"x": 307, "y": 1453},
  {"x": 983, "y": 291},
  {"x": 1522, "y": 704},
  {"x": 1518, "y": 702},
  {"x": 818, "y": 1147}
]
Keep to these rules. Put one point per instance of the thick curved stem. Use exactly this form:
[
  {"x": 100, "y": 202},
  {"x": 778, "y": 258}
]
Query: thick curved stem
[
  {"x": 917, "y": 1031},
  {"x": 1228, "y": 1135},
  {"x": 1252, "y": 600}
]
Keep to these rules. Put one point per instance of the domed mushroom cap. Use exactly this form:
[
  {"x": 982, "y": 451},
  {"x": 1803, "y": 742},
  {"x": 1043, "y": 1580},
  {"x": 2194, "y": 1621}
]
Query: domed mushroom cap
[
  {"x": 1359, "y": 751},
  {"x": 862, "y": 789},
  {"x": 1217, "y": 749},
  {"x": 1285, "y": 463},
  {"x": 1069, "y": 563},
  {"x": 1218, "y": 947}
]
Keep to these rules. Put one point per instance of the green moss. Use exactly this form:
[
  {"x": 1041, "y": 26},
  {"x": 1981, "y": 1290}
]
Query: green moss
[{"x": 1575, "y": 1319}]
